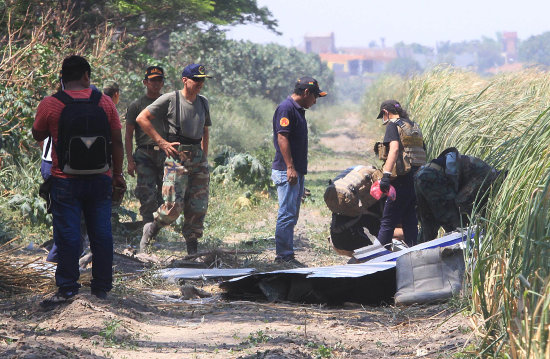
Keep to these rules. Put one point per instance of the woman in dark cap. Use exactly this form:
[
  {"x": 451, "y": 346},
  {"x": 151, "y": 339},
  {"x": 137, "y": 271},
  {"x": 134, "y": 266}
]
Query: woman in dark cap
[{"x": 403, "y": 152}]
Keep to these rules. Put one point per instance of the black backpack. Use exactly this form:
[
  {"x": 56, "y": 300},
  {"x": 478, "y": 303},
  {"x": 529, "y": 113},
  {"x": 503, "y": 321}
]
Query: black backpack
[{"x": 84, "y": 136}]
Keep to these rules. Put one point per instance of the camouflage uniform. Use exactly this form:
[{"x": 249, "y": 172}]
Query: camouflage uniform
[
  {"x": 445, "y": 199},
  {"x": 149, "y": 169},
  {"x": 149, "y": 161},
  {"x": 185, "y": 188},
  {"x": 186, "y": 178}
]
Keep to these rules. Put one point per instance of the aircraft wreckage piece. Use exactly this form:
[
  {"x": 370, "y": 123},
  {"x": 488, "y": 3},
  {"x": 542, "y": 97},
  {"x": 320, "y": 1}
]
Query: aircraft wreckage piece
[
  {"x": 202, "y": 273},
  {"x": 372, "y": 282}
]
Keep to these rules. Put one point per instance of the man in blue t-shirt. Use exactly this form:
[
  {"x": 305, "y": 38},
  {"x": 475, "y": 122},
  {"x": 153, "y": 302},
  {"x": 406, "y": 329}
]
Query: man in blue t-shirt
[{"x": 290, "y": 163}]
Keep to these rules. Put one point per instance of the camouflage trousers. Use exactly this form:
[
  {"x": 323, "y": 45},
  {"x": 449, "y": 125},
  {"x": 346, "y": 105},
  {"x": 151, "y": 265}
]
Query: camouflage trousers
[
  {"x": 436, "y": 202},
  {"x": 149, "y": 169},
  {"x": 185, "y": 188}
]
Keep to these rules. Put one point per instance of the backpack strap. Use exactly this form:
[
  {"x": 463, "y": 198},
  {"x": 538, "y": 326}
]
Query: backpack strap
[
  {"x": 63, "y": 97},
  {"x": 177, "y": 126},
  {"x": 95, "y": 97}
]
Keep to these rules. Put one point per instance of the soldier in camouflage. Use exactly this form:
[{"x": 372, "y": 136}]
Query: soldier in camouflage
[
  {"x": 447, "y": 189},
  {"x": 148, "y": 160},
  {"x": 186, "y": 176}
]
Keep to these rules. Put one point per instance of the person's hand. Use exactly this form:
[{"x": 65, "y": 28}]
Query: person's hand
[
  {"x": 118, "y": 180},
  {"x": 131, "y": 167},
  {"x": 119, "y": 188},
  {"x": 291, "y": 175},
  {"x": 385, "y": 182},
  {"x": 170, "y": 148}
]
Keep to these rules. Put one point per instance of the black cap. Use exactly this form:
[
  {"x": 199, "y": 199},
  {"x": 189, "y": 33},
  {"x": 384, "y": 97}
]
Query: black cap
[
  {"x": 310, "y": 83},
  {"x": 390, "y": 106},
  {"x": 154, "y": 71}
]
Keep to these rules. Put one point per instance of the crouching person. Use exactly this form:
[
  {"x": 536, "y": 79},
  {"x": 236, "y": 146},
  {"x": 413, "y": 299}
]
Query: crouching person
[
  {"x": 82, "y": 178},
  {"x": 447, "y": 189},
  {"x": 354, "y": 210}
]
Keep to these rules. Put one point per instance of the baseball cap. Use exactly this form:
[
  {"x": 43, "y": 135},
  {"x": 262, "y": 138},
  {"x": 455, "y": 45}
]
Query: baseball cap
[
  {"x": 194, "y": 70},
  {"x": 310, "y": 83},
  {"x": 390, "y": 106},
  {"x": 154, "y": 71}
]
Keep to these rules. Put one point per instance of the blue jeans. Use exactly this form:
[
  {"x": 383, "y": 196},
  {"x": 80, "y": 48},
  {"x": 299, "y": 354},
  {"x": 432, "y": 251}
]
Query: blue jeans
[
  {"x": 46, "y": 172},
  {"x": 72, "y": 197},
  {"x": 290, "y": 198},
  {"x": 401, "y": 211}
]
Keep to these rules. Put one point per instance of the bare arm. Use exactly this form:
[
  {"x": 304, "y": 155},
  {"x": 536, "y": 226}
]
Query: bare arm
[
  {"x": 392, "y": 156},
  {"x": 129, "y": 147},
  {"x": 118, "y": 158},
  {"x": 144, "y": 121},
  {"x": 284, "y": 146},
  {"x": 205, "y": 141}
]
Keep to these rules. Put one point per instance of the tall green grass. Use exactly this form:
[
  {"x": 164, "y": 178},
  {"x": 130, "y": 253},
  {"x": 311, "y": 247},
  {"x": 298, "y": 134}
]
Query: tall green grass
[{"x": 505, "y": 121}]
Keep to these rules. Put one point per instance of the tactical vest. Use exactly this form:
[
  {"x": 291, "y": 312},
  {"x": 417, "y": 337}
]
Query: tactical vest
[{"x": 411, "y": 148}]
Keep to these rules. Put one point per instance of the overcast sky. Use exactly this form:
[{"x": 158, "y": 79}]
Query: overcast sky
[{"x": 358, "y": 22}]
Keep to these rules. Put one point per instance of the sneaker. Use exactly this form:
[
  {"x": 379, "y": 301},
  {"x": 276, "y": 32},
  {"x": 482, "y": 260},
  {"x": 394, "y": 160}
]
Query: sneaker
[
  {"x": 99, "y": 293},
  {"x": 58, "y": 298}
]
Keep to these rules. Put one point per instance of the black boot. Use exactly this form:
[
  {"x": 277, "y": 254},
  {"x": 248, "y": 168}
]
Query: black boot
[
  {"x": 150, "y": 230},
  {"x": 192, "y": 244}
]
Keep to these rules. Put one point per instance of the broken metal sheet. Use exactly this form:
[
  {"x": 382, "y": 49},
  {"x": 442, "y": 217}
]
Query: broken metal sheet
[
  {"x": 362, "y": 254},
  {"x": 372, "y": 282},
  {"x": 200, "y": 273},
  {"x": 342, "y": 271}
]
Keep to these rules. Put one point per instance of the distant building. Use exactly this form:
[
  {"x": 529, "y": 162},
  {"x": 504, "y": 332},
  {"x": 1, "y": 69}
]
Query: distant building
[
  {"x": 319, "y": 43},
  {"x": 510, "y": 46},
  {"x": 348, "y": 61},
  {"x": 357, "y": 61},
  {"x": 510, "y": 67}
]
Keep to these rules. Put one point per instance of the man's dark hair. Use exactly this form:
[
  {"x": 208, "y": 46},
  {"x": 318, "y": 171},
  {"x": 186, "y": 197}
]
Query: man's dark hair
[
  {"x": 111, "y": 89},
  {"x": 74, "y": 67}
]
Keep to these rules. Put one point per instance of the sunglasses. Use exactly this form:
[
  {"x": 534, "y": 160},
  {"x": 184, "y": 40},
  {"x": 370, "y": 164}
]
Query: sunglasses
[{"x": 197, "y": 79}]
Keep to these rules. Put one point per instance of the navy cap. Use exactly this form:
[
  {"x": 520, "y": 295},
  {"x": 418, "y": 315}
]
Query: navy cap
[
  {"x": 154, "y": 71},
  {"x": 194, "y": 70},
  {"x": 310, "y": 83},
  {"x": 390, "y": 106}
]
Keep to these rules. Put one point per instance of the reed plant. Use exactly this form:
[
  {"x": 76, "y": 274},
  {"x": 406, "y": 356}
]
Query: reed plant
[{"x": 504, "y": 120}]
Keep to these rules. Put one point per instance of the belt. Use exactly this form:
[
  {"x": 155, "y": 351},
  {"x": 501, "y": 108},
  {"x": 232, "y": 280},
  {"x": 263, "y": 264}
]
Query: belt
[
  {"x": 149, "y": 147},
  {"x": 184, "y": 140},
  {"x": 188, "y": 147},
  {"x": 435, "y": 166}
]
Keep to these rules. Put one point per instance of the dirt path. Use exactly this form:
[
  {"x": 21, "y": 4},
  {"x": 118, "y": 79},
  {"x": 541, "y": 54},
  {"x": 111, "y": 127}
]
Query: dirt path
[{"x": 139, "y": 322}]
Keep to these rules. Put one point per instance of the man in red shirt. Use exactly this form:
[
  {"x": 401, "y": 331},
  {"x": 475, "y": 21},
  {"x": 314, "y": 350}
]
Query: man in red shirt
[{"x": 89, "y": 194}]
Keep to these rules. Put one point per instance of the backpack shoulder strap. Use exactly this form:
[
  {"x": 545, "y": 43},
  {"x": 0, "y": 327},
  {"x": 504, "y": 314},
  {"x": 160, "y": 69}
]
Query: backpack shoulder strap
[
  {"x": 203, "y": 101},
  {"x": 178, "y": 128},
  {"x": 402, "y": 124},
  {"x": 63, "y": 97},
  {"x": 95, "y": 97}
]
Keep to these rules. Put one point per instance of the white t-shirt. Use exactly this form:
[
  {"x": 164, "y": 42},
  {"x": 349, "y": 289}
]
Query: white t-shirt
[{"x": 47, "y": 148}]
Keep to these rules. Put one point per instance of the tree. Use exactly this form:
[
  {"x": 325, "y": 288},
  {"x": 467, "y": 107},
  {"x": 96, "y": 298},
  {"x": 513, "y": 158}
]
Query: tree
[
  {"x": 143, "y": 17},
  {"x": 403, "y": 66},
  {"x": 536, "y": 49}
]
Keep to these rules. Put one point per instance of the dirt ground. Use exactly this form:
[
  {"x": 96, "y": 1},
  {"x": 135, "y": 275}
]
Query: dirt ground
[{"x": 170, "y": 322}]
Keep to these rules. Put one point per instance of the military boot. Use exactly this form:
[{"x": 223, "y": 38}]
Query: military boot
[
  {"x": 150, "y": 230},
  {"x": 192, "y": 244}
]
